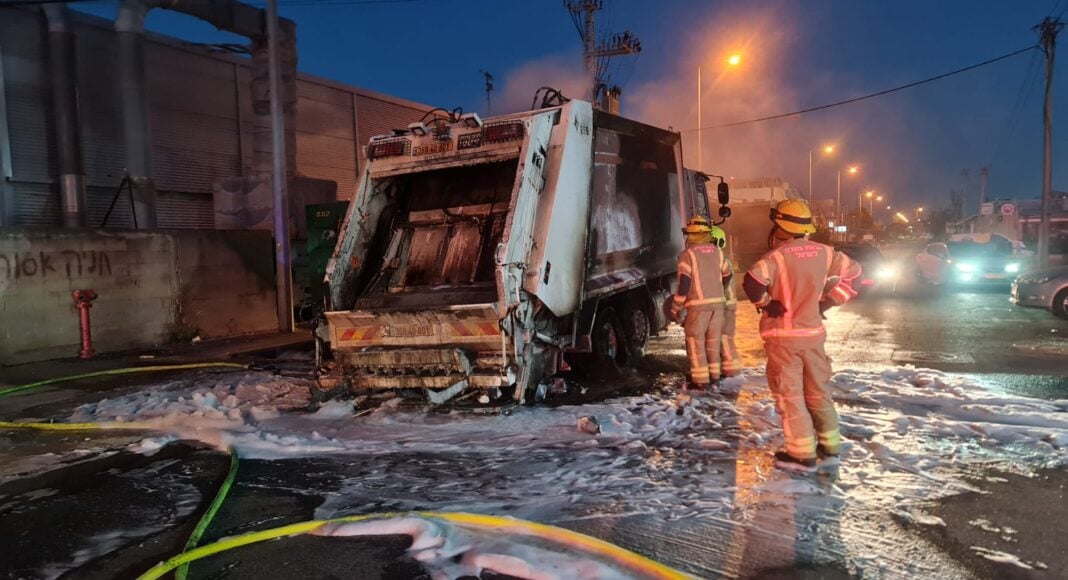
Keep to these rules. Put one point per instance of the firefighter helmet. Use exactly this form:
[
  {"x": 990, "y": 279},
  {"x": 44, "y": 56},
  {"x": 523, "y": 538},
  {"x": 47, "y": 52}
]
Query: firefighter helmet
[
  {"x": 719, "y": 237},
  {"x": 698, "y": 225},
  {"x": 793, "y": 216}
]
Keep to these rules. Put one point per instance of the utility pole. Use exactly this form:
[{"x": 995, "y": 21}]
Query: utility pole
[
  {"x": 489, "y": 89},
  {"x": 966, "y": 176},
  {"x": 1048, "y": 39},
  {"x": 283, "y": 263},
  {"x": 595, "y": 55},
  {"x": 982, "y": 184}
]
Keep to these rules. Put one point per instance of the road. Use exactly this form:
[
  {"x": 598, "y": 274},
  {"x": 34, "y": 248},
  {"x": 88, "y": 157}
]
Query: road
[{"x": 113, "y": 513}]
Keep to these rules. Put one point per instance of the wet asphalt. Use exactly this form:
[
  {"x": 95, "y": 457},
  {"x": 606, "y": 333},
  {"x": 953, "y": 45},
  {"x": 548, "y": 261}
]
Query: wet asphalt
[{"x": 114, "y": 514}]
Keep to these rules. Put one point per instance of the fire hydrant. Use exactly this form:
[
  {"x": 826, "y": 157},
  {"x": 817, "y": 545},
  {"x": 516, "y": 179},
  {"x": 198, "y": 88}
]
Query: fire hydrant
[{"x": 83, "y": 299}]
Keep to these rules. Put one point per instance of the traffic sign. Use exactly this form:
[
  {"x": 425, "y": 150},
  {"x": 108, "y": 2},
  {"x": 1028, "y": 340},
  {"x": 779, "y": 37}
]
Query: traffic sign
[{"x": 1008, "y": 209}]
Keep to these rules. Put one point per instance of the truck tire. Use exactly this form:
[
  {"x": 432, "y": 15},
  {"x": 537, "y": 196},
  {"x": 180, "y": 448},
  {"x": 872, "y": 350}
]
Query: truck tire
[
  {"x": 636, "y": 327},
  {"x": 608, "y": 348}
]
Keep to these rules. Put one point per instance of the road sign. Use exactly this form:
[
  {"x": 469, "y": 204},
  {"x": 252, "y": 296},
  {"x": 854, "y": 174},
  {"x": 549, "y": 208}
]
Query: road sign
[
  {"x": 986, "y": 209},
  {"x": 1008, "y": 209}
]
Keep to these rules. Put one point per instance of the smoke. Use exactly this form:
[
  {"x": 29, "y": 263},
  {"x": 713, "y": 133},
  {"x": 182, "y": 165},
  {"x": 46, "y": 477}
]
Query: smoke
[
  {"x": 778, "y": 73},
  {"x": 754, "y": 88},
  {"x": 559, "y": 72}
]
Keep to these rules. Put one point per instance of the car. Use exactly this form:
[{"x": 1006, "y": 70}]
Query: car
[
  {"x": 996, "y": 261},
  {"x": 878, "y": 271},
  {"x": 933, "y": 265},
  {"x": 1046, "y": 288}
]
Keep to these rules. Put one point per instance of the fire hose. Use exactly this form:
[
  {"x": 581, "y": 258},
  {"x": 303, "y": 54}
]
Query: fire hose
[
  {"x": 192, "y": 552},
  {"x": 495, "y": 524},
  {"x": 123, "y": 371}
]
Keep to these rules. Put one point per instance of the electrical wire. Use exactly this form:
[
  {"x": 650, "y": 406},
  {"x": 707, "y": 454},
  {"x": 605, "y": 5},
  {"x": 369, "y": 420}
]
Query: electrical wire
[
  {"x": 1027, "y": 86},
  {"x": 867, "y": 96}
]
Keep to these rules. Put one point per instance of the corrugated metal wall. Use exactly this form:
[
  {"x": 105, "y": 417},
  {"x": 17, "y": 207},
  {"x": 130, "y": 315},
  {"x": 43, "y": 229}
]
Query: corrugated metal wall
[{"x": 200, "y": 122}]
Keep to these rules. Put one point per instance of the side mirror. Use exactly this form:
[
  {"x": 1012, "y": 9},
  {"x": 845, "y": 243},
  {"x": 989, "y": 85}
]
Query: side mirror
[
  {"x": 723, "y": 191},
  {"x": 724, "y": 212}
]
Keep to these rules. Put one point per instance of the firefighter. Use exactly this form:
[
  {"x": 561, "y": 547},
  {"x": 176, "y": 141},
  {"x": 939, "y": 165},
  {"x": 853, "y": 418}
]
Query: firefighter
[
  {"x": 728, "y": 350},
  {"x": 793, "y": 285},
  {"x": 703, "y": 273}
]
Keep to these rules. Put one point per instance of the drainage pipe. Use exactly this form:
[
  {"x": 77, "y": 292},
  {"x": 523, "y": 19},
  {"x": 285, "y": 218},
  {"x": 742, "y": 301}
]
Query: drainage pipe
[
  {"x": 63, "y": 73},
  {"x": 133, "y": 93}
]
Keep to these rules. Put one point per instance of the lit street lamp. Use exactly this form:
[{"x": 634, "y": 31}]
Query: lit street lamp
[
  {"x": 732, "y": 61},
  {"x": 827, "y": 150},
  {"x": 852, "y": 170}
]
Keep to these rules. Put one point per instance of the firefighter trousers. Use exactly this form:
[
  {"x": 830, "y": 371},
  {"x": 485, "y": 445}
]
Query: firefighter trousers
[
  {"x": 703, "y": 327},
  {"x": 732, "y": 363},
  {"x": 798, "y": 374}
]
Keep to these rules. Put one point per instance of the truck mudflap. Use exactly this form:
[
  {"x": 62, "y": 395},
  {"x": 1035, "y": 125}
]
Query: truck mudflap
[{"x": 446, "y": 352}]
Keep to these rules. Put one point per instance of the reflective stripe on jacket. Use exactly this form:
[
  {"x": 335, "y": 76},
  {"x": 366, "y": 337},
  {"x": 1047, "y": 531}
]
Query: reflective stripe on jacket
[
  {"x": 702, "y": 268},
  {"x": 797, "y": 274}
]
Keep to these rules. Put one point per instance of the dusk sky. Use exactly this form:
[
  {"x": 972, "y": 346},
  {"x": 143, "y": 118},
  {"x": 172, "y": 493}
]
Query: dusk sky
[{"x": 912, "y": 145}]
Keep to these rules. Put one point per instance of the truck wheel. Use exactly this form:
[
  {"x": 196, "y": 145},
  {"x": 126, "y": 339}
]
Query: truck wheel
[
  {"x": 609, "y": 342},
  {"x": 1060, "y": 304},
  {"x": 636, "y": 327}
]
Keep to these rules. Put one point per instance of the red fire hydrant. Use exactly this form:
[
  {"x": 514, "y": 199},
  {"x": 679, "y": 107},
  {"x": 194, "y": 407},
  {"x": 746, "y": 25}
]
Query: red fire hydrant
[{"x": 83, "y": 299}]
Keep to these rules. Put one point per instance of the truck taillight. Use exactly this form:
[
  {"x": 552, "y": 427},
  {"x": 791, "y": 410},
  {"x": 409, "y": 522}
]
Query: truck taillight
[
  {"x": 390, "y": 148},
  {"x": 499, "y": 132}
]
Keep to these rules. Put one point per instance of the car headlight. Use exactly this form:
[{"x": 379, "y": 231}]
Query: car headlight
[
  {"x": 1012, "y": 268},
  {"x": 965, "y": 266},
  {"x": 886, "y": 273}
]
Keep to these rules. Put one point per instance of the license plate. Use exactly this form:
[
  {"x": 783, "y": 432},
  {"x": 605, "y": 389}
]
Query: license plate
[
  {"x": 410, "y": 330},
  {"x": 995, "y": 277}
]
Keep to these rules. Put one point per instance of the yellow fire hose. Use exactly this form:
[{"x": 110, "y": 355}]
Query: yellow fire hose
[{"x": 496, "y": 524}]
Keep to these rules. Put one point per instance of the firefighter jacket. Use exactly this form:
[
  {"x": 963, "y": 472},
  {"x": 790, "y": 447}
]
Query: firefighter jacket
[
  {"x": 800, "y": 275},
  {"x": 729, "y": 295},
  {"x": 703, "y": 274}
]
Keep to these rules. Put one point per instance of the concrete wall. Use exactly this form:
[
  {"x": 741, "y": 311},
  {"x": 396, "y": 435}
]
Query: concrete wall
[
  {"x": 152, "y": 286},
  {"x": 226, "y": 282}
]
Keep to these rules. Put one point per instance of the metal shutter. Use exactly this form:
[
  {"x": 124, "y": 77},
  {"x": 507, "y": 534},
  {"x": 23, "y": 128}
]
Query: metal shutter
[
  {"x": 33, "y": 156},
  {"x": 100, "y": 108},
  {"x": 181, "y": 210},
  {"x": 325, "y": 148},
  {"x": 379, "y": 117},
  {"x": 193, "y": 119},
  {"x": 36, "y": 204}
]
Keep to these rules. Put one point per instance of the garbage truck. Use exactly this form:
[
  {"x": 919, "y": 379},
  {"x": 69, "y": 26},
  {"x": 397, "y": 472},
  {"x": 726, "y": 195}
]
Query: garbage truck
[{"x": 480, "y": 257}]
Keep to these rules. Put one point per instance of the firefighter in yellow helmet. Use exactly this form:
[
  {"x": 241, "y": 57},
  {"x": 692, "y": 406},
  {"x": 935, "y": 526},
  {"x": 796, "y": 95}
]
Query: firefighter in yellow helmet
[
  {"x": 793, "y": 285},
  {"x": 703, "y": 272},
  {"x": 728, "y": 350}
]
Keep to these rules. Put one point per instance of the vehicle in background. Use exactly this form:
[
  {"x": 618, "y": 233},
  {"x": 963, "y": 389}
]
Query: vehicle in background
[
  {"x": 478, "y": 257},
  {"x": 1046, "y": 288},
  {"x": 933, "y": 265},
  {"x": 997, "y": 261},
  {"x": 879, "y": 273}
]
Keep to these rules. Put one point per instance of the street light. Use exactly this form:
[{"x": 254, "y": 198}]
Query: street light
[
  {"x": 732, "y": 61},
  {"x": 827, "y": 150},
  {"x": 851, "y": 170}
]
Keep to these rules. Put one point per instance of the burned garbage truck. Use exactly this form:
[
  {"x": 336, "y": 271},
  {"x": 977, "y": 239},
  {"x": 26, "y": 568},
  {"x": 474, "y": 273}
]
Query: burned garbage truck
[{"x": 480, "y": 257}]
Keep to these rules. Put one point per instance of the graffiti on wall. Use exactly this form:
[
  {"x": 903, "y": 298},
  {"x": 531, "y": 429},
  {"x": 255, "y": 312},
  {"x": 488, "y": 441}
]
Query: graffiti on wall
[{"x": 67, "y": 263}]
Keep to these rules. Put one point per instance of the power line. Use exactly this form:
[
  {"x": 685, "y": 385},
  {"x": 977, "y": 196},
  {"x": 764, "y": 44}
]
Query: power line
[
  {"x": 868, "y": 96},
  {"x": 1030, "y": 79}
]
